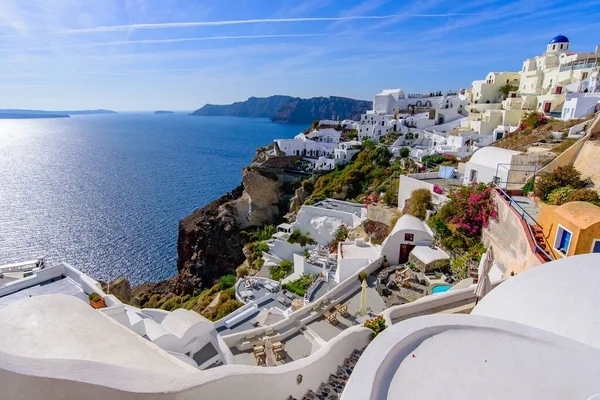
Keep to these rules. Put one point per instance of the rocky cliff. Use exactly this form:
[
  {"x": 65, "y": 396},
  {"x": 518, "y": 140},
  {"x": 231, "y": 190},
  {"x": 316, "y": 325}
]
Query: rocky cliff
[
  {"x": 290, "y": 109},
  {"x": 307, "y": 110},
  {"x": 264, "y": 107},
  {"x": 211, "y": 239}
]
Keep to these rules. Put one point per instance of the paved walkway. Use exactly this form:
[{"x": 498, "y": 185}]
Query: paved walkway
[{"x": 529, "y": 208}]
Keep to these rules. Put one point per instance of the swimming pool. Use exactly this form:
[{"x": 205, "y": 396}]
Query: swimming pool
[{"x": 440, "y": 289}]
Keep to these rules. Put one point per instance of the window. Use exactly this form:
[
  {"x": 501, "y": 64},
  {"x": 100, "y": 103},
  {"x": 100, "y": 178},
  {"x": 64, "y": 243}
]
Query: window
[
  {"x": 473, "y": 175},
  {"x": 596, "y": 246},
  {"x": 563, "y": 240},
  {"x": 584, "y": 75},
  {"x": 496, "y": 180},
  {"x": 561, "y": 46},
  {"x": 409, "y": 237},
  {"x": 554, "y": 47}
]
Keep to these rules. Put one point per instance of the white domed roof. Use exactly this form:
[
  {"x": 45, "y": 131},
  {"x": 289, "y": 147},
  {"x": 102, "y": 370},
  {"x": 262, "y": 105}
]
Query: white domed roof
[{"x": 492, "y": 156}]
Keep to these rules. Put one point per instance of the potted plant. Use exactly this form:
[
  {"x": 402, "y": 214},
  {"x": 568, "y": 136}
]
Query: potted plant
[
  {"x": 385, "y": 262},
  {"x": 96, "y": 301}
]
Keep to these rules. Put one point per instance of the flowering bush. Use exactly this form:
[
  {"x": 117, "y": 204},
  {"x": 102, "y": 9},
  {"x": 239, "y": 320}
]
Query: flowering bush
[
  {"x": 475, "y": 207},
  {"x": 376, "y": 324},
  {"x": 461, "y": 220},
  {"x": 370, "y": 199},
  {"x": 377, "y": 231},
  {"x": 340, "y": 235},
  {"x": 437, "y": 189},
  {"x": 532, "y": 120}
]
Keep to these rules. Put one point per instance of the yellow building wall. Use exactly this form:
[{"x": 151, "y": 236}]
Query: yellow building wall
[
  {"x": 581, "y": 239},
  {"x": 586, "y": 238},
  {"x": 549, "y": 222}
]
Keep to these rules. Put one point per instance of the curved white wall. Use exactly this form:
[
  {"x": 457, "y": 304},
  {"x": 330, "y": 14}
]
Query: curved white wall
[{"x": 39, "y": 379}]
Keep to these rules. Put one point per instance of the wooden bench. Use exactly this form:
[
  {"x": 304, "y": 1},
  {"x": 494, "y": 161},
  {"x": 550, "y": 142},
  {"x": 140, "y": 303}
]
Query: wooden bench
[{"x": 331, "y": 317}]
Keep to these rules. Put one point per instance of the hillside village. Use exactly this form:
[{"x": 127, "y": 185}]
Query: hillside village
[{"x": 468, "y": 209}]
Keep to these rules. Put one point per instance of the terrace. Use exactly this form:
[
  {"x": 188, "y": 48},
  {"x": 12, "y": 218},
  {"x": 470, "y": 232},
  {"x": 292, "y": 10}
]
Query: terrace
[{"x": 375, "y": 304}]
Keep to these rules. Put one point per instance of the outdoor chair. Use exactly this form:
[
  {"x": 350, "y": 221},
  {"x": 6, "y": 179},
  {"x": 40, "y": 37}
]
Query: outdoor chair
[{"x": 342, "y": 309}]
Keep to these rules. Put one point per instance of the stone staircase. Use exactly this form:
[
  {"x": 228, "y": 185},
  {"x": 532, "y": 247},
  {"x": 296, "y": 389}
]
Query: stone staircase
[
  {"x": 334, "y": 386},
  {"x": 538, "y": 236}
]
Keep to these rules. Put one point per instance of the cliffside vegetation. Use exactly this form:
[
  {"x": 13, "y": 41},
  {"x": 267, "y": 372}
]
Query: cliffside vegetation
[
  {"x": 535, "y": 128},
  {"x": 564, "y": 185}
]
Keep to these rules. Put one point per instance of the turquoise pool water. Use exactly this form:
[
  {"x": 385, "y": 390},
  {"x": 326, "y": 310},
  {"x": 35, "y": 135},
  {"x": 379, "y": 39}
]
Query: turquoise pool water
[{"x": 440, "y": 289}]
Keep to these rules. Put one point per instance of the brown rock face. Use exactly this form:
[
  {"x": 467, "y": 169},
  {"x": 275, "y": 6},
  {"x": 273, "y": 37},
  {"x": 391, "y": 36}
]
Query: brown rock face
[
  {"x": 120, "y": 288},
  {"x": 210, "y": 241}
]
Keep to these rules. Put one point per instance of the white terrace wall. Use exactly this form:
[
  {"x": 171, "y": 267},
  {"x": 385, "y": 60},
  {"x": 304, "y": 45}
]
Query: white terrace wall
[
  {"x": 431, "y": 304},
  {"x": 40, "y": 379}
]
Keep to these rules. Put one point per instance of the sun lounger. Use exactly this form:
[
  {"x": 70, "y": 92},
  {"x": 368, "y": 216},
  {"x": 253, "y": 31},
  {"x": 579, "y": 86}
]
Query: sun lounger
[{"x": 342, "y": 309}]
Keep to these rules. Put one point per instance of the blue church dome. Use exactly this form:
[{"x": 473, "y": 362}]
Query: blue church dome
[{"x": 559, "y": 39}]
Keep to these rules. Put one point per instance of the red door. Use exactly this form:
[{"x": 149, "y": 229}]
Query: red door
[
  {"x": 558, "y": 89},
  {"x": 547, "y": 107},
  {"x": 405, "y": 250}
]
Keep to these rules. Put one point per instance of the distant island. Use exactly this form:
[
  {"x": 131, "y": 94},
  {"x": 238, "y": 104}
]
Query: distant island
[
  {"x": 9, "y": 113},
  {"x": 163, "y": 112},
  {"x": 290, "y": 109}
]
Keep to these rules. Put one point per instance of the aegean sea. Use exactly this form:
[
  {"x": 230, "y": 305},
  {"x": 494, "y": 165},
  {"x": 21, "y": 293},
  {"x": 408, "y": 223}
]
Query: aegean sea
[{"x": 105, "y": 193}]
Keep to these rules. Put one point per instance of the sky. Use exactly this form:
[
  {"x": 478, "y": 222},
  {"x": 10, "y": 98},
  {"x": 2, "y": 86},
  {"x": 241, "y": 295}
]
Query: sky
[{"x": 181, "y": 54}]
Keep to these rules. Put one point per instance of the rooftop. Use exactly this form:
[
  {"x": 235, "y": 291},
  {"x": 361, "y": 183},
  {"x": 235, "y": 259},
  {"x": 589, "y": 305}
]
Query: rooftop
[
  {"x": 352, "y": 250},
  {"x": 580, "y": 213},
  {"x": 344, "y": 206},
  {"x": 68, "y": 334},
  {"x": 57, "y": 285}
]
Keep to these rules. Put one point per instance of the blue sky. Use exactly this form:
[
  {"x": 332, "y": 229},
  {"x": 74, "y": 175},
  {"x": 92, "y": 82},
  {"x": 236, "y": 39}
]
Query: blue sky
[{"x": 181, "y": 54}]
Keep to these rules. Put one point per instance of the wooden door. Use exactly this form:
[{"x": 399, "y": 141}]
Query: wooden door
[
  {"x": 547, "y": 107},
  {"x": 405, "y": 250}
]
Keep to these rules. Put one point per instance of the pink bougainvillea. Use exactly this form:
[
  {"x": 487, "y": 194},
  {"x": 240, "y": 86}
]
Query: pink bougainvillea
[
  {"x": 370, "y": 199},
  {"x": 437, "y": 189},
  {"x": 474, "y": 208}
]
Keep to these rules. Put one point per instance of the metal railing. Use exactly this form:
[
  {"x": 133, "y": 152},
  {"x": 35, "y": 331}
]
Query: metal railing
[{"x": 515, "y": 206}]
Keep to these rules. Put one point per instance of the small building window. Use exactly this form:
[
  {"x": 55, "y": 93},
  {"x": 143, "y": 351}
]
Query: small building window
[
  {"x": 563, "y": 240},
  {"x": 409, "y": 237},
  {"x": 561, "y": 46},
  {"x": 554, "y": 47},
  {"x": 473, "y": 175},
  {"x": 596, "y": 246}
]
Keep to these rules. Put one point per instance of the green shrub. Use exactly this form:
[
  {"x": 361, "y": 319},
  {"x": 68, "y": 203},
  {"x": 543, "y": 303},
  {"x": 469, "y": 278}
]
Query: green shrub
[
  {"x": 529, "y": 186},
  {"x": 419, "y": 203},
  {"x": 404, "y": 152},
  {"x": 227, "y": 281},
  {"x": 287, "y": 265},
  {"x": 278, "y": 272},
  {"x": 300, "y": 285},
  {"x": 94, "y": 297},
  {"x": 362, "y": 276},
  {"x": 391, "y": 195},
  {"x": 562, "y": 176},
  {"x": 302, "y": 240},
  {"x": 584, "y": 195},
  {"x": 262, "y": 234},
  {"x": 459, "y": 266},
  {"x": 241, "y": 272},
  {"x": 308, "y": 186},
  {"x": 227, "y": 308},
  {"x": 559, "y": 196},
  {"x": 377, "y": 324}
]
